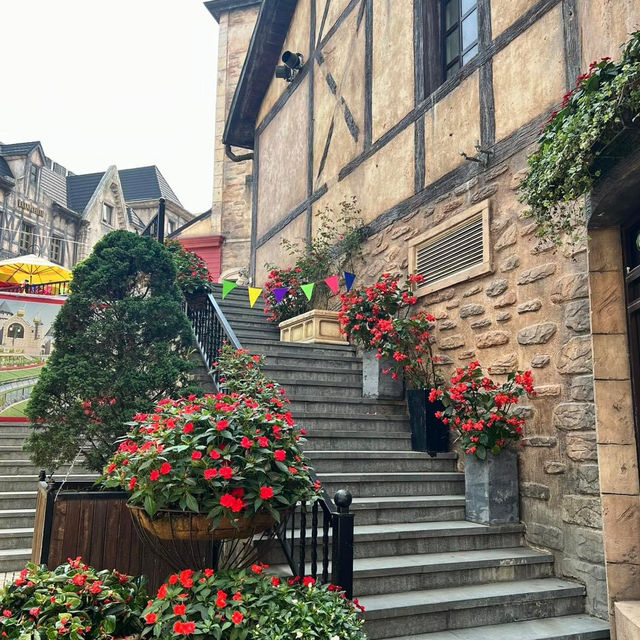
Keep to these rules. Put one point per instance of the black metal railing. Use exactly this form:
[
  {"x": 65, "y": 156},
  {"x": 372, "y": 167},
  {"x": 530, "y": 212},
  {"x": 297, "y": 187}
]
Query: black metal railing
[
  {"x": 49, "y": 289},
  {"x": 321, "y": 531},
  {"x": 155, "y": 228},
  {"x": 211, "y": 329}
]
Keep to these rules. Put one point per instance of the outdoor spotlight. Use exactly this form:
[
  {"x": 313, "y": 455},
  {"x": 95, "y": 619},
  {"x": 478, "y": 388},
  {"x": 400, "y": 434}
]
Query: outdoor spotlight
[
  {"x": 292, "y": 64},
  {"x": 293, "y": 60}
]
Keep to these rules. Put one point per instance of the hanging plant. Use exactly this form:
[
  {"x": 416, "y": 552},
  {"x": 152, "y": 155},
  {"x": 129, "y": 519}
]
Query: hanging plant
[{"x": 604, "y": 102}]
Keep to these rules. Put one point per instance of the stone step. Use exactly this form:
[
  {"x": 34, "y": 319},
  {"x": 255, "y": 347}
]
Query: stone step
[
  {"x": 310, "y": 360},
  {"x": 470, "y": 607},
  {"x": 363, "y": 423},
  {"x": 19, "y": 516},
  {"x": 299, "y": 375},
  {"x": 335, "y": 388},
  {"x": 16, "y": 538},
  {"x": 29, "y": 482},
  {"x": 17, "y": 500},
  {"x": 397, "y": 509},
  {"x": 301, "y": 349},
  {"x": 14, "y": 559},
  {"x": 576, "y": 627},
  {"x": 11, "y": 451},
  {"x": 27, "y": 468},
  {"x": 333, "y": 406},
  {"x": 329, "y": 439},
  {"x": 394, "y": 484},
  {"x": 361, "y": 461},
  {"x": 13, "y": 439},
  {"x": 256, "y": 334},
  {"x": 413, "y": 538}
]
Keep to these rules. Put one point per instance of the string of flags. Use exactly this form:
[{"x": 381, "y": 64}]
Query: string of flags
[{"x": 333, "y": 282}]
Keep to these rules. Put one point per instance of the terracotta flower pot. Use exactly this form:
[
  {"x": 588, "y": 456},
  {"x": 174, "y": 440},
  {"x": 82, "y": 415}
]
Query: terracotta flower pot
[{"x": 185, "y": 525}]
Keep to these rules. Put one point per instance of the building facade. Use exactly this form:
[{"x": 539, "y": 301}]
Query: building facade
[
  {"x": 59, "y": 215},
  {"x": 426, "y": 111}
]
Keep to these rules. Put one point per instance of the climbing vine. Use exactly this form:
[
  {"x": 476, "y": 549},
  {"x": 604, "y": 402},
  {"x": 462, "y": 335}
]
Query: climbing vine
[{"x": 604, "y": 102}]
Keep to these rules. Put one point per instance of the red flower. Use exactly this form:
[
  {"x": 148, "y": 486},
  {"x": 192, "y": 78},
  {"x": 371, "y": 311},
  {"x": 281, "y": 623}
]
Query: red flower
[
  {"x": 7, "y": 613},
  {"x": 79, "y": 579},
  {"x": 237, "y": 617},
  {"x": 222, "y": 425},
  {"x": 308, "y": 581},
  {"x": 165, "y": 469},
  {"x": 162, "y": 592},
  {"x": 280, "y": 455},
  {"x": 266, "y": 493},
  {"x": 275, "y": 581},
  {"x": 208, "y": 573},
  {"x": 196, "y": 455},
  {"x": 215, "y": 454},
  {"x": 180, "y": 609},
  {"x": 96, "y": 587},
  {"x": 246, "y": 443},
  {"x": 226, "y": 473},
  {"x": 150, "y": 618},
  {"x": 210, "y": 474},
  {"x": 184, "y": 628},
  {"x": 154, "y": 475},
  {"x": 263, "y": 442},
  {"x": 132, "y": 483},
  {"x": 188, "y": 428}
]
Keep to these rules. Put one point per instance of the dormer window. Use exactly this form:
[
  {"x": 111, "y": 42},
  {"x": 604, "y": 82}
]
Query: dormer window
[{"x": 33, "y": 176}]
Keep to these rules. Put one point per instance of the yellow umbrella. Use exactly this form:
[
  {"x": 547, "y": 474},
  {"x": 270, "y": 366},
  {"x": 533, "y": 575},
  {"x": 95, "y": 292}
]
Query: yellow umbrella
[{"x": 32, "y": 268}]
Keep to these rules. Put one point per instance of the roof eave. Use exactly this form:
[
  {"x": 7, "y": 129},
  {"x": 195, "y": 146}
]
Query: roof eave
[
  {"x": 264, "y": 51},
  {"x": 217, "y": 7}
]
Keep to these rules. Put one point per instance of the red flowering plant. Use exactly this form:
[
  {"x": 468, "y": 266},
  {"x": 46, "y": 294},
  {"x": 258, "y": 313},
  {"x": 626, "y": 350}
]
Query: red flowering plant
[
  {"x": 192, "y": 276},
  {"x": 294, "y": 302},
  {"x": 379, "y": 317},
  {"x": 236, "y": 605},
  {"x": 74, "y": 601},
  {"x": 481, "y": 411},
  {"x": 220, "y": 455}
]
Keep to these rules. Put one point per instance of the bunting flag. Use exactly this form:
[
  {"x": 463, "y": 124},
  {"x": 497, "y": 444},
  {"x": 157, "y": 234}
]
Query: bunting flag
[
  {"x": 227, "y": 288},
  {"x": 349, "y": 279},
  {"x": 333, "y": 282},
  {"x": 308, "y": 289},
  {"x": 254, "y": 294},
  {"x": 280, "y": 294}
]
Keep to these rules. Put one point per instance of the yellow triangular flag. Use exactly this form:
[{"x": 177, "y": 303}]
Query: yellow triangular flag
[{"x": 254, "y": 294}]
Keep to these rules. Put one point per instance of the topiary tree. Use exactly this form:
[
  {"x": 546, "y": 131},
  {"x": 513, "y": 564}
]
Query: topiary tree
[{"x": 122, "y": 342}]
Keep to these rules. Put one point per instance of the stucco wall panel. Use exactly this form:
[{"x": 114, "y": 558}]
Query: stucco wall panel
[
  {"x": 336, "y": 8},
  {"x": 505, "y": 12},
  {"x": 282, "y": 182},
  {"x": 529, "y": 75},
  {"x": 450, "y": 129},
  {"x": 604, "y": 26},
  {"x": 393, "y": 63}
]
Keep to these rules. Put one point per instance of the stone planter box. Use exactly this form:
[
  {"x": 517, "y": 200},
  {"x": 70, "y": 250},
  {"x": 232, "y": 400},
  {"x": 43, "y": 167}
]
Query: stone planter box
[
  {"x": 376, "y": 384},
  {"x": 317, "y": 326},
  {"x": 491, "y": 488}
]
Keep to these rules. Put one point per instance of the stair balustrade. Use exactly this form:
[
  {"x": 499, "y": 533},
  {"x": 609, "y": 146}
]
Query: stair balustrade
[{"x": 329, "y": 535}]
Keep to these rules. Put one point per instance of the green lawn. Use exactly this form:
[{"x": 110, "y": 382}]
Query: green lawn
[
  {"x": 19, "y": 374},
  {"x": 15, "y": 411}
]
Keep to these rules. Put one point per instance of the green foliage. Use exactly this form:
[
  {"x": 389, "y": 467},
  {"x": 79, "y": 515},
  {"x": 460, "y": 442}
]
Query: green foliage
[
  {"x": 192, "y": 274},
  {"x": 121, "y": 343},
  {"x": 247, "y": 604},
  {"x": 73, "y": 601},
  {"x": 221, "y": 455},
  {"x": 604, "y": 102},
  {"x": 336, "y": 244}
]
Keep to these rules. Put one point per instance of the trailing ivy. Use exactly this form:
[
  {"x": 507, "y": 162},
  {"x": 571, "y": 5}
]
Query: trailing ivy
[{"x": 603, "y": 103}]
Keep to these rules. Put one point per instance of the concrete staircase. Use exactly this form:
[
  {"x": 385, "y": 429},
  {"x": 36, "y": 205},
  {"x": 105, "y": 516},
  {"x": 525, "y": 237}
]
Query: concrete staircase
[{"x": 421, "y": 571}]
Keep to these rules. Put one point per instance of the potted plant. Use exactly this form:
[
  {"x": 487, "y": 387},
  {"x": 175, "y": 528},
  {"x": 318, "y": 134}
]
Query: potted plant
[
  {"x": 482, "y": 413},
  {"x": 74, "y": 601},
  {"x": 225, "y": 466},
  {"x": 236, "y": 605},
  {"x": 306, "y": 316}
]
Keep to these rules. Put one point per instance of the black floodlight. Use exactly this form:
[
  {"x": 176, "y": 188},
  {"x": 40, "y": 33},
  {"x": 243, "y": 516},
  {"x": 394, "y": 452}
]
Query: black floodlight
[{"x": 292, "y": 64}]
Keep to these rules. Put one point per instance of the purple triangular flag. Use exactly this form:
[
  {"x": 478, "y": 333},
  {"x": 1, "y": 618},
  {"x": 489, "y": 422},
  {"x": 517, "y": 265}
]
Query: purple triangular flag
[
  {"x": 280, "y": 294},
  {"x": 349, "y": 279}
]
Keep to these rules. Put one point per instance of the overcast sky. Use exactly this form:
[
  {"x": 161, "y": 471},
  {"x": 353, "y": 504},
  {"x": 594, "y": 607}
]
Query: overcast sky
[{"x": 124, "y": 82}]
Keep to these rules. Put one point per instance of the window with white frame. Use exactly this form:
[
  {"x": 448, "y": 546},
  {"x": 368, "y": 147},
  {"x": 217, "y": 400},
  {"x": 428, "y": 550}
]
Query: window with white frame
[
  {"x": 454, "y": 251},
  {"x": 27, "y": 238},
  {"x": 107, "y": 214},
  {"x": 55, "y": 250}
]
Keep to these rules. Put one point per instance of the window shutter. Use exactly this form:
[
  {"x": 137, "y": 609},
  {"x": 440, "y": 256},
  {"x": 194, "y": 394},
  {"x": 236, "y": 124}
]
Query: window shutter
[{"x": 451, "y": 252}]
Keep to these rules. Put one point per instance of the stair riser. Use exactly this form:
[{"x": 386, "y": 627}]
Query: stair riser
[
  {"x": 419, "y": 514},
  {"x": 12, "y": 455},
  {"x": 340, "y": 423},
  {"x": 338, "y": 390},
  {"x": 344, "y": 465},
  {"x": 19, "y": 502},
  {"x": 287, "y": 378},
  {"x": 29, "y": 483},
  {"x": 474, "y": 617},
  {"x": 8, "y": 468},
  {"x": 402, "y": 582},
  {"x": 291, "y": 350},
  {"x": 396, "y": 488},
  {"x": 22, "y": 541},
  {"x": 19, "y": 521},
  {"x": 346, "y": 408},
  {"x": 339, "y": 364},
  {"x": 14, "y": 564},
  {"x": 326, "y": 443}
]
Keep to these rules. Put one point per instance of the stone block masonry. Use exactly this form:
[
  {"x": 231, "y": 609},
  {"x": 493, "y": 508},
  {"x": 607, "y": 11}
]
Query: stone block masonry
[{"x": 531, "y": 312}]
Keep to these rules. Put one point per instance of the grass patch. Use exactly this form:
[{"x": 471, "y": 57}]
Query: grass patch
[
  {"x": 16, "y": 410},
  {"x": 20, "y": 374}
]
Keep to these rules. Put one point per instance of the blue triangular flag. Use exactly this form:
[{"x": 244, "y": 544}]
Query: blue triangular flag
[{"x": 349, "y": 279}]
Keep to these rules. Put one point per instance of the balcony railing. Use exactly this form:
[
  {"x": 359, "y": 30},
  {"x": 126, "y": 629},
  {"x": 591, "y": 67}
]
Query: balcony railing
[{"x": 49, "y": 289}]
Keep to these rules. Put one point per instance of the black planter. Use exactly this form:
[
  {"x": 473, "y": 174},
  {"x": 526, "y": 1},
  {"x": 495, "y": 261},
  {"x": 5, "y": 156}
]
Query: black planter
[{"x": 428, "y": 433}]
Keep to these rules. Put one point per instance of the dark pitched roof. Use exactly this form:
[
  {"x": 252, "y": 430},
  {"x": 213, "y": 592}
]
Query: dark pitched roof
[
  {"x": 218, "y": 7},
  {"x": 80, "y": 189},
  {"x": 146, "y": 183},
  {"x": 262, "y": 58},
  {"x": 5, "y": 171},
  {"x": 54, "y": 185},
  {"x": 17, "y": 149}
]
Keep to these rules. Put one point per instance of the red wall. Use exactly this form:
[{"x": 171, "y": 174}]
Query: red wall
[{"x": 209, "y": 248}]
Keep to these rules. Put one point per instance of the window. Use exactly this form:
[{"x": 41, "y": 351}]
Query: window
[
  {"x": 15, "y": 331},
  {"x": 55, "y": 250},
  {"x": 33, "y": 175},
  {"x": 171, "y": 225},
  {"x": 451, "y": 38},
  {"x": 454, "y": 251},
  {"x": 107, "y": 214},
  {"x": 27, "y": 238}
]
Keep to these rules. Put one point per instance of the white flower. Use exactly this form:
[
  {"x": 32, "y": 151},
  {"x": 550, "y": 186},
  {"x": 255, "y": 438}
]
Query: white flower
[
  {"x": 334, "y": 638},
  {"x": 299, "y": 634}
]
